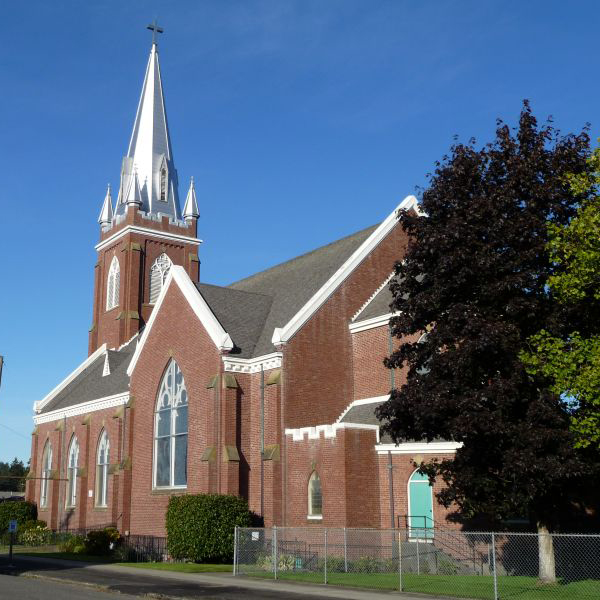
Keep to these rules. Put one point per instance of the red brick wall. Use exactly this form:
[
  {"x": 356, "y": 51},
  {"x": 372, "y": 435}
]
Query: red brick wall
[{"x": 318, "y": 359}]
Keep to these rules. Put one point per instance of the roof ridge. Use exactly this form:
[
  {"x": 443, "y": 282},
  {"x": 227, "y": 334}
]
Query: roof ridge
[{"x": 305, "y": 254}]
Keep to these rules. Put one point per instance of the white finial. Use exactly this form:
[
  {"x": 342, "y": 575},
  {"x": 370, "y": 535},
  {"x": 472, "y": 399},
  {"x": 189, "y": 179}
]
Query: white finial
[
  {"x": 106, "y": 214},
  {"x": 190, "y": 210}
]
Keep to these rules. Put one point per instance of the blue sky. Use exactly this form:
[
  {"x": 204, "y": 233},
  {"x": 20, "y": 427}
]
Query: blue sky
[{"x": 301, "y": 122}]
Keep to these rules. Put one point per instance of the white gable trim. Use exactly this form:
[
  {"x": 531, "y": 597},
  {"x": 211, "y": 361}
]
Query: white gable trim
[
  {"x": 218, "y": 335},
  {"x": 37, "y": 406},
  {"x": 328, "y": 431},
  {"x": 253, "y": 365},
  {"x": 282, "y": 334},
  {"x": 419, "y": 448},
  {"x": 82, "y": 408},
  {"x": 362, "y": 308},
  {"x": 148, "y": 232},
  {"x": 362, "y": 402}
]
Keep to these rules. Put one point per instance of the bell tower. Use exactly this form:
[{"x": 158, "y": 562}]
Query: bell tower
[{"x": 146, "y": 232}]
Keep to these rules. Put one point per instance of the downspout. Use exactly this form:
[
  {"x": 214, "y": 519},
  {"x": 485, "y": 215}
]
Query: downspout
[
  {"x": 390, "y": 351},
  {"x": 62, "y": 474},
  {"x": 391, "y": 484},
  {"x": 262, "y": 441}
]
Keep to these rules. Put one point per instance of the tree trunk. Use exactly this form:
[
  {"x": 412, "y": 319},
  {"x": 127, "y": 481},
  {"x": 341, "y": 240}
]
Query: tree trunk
[{"x": 546, "y": 555}]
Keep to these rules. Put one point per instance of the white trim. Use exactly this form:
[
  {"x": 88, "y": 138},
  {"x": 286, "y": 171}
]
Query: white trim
[
  {"x": 362, "y": 403},
  {"x": 83, "y": 408},
  {"x": 370, "y": 323},
  {"x": 37, "y": 406},
  {"x": 328, "y": 431},
  {"x": 419, "y": 448},
  {"x": 197, "y": 303},
  {"x": 314, "y": 517},
  {"x": 282, "y": 334},
  {"x": 389, "y": 278},
  {"x": 149, "y": 232},
  {"x": 253, "y": 365}
]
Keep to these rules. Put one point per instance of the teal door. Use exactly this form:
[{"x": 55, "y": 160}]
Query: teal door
[{"x": 420, "y": 507}]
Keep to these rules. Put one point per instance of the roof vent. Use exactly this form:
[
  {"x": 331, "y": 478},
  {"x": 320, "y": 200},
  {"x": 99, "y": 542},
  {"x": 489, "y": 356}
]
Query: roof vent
[{"x": 106, "y": 369}]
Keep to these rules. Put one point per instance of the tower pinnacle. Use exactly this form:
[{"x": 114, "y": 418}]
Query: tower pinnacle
[{"x": 106, "y": 214}]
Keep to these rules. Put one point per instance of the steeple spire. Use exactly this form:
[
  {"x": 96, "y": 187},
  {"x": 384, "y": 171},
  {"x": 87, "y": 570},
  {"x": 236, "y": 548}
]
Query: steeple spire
[
  {"x": 190, "y": 210},
  {"x": 106, "y": 214},
  {"x": 150, "y": 148}
]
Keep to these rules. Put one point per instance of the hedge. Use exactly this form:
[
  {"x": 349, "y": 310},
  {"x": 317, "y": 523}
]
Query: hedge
[
  {"x": 201, "y": 527},
  {"x": 21, "y": 511}
]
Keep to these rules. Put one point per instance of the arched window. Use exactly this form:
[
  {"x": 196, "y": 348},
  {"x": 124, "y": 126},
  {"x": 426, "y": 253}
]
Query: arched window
[
  {"x": 113, "y": 284},
  {"x": 315, "y": 496},
  {"x": 46, "y": 473},
  {"x": 163, "y": 184},
  {"x": 170, "y": 430},
  {"x": 72, "y": 473},
  {"x": 102, "y": 462},
  {"x": 158, "y": 275}
]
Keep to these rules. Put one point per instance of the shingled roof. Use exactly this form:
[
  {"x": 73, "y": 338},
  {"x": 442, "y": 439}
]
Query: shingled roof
[{"x": 91, "y": 384}]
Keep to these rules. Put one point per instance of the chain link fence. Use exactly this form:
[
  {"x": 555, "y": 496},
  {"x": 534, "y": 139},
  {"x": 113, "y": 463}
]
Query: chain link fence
[{"x": 522, "y": 566}]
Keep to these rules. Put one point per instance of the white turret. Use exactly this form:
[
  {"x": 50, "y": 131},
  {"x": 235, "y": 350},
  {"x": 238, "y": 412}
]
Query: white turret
[
  {"x": 190, "y": 210},
  {"x": 106, "y": 214}
]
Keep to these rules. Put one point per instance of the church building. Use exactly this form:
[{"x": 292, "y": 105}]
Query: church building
[{"x": 265, "y": 388}]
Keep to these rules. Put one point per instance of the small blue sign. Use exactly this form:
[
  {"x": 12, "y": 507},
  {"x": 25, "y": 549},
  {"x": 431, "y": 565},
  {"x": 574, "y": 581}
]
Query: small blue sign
[{"x": 12, "y": 526}]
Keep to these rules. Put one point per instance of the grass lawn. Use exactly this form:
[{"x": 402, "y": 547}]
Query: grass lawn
[
  {"x": 181, "y": 567},
  {"x": 459, "y": 586}
]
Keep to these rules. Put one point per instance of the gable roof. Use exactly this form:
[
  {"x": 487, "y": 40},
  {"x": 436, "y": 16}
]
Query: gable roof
[
  {"x": 378, "y": 306},
  {"x": 88, "y": 383}
]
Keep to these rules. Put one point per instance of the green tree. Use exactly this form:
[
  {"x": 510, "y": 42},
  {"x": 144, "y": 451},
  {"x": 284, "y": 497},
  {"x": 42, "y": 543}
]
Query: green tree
[
  {"x": 12, "y": 476},
  {"x": 569, "y": 356},
  {"x": 475, "y": 276}
]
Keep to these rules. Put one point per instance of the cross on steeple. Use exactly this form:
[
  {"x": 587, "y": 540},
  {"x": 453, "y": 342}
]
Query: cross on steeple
[{"x": 155, "y": 29}]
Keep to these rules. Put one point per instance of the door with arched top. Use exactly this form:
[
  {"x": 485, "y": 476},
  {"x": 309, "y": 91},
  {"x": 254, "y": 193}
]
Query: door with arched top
[{"x": 420, "y": 507}]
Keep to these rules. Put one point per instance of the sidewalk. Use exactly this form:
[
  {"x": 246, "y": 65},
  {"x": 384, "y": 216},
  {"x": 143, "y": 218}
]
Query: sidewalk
[{"x": 186, "y": 585}]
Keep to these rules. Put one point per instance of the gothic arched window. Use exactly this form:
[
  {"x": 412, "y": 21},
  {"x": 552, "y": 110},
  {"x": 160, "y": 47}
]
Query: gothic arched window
[
  {"x": 315, "y": 496},
  {"x": 46, "y": 473},
  {"x": 113, "y": 284},
  {"x": 72, "y": 473},
  {"x": 163, "y": 184},
  {"x": 158, "y": 275},
  {"x": 102, "y": 462},
  {"x": 171, "y": 430}
]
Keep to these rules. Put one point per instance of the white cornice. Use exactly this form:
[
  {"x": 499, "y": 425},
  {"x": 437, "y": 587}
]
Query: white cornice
[
  {"x": 82, "y": 408},
  {"x": 149, "y": 232},
  {"x": 419, "y": 448},
  {"x": 37, "y": 406},
  {"x": 328, "y": 431},
  {"x": 197, "y": 303},
  {"x": 372, "y": 296},
  {"x": 370, "y": 323},
  {"x": 253, "y": 365},
  {"x": 282, "y": 334}
]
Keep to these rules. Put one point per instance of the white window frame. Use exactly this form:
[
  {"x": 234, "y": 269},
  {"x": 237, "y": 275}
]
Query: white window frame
[
  {"x": 46, "y": 472},
  {"x": 314, "y": 476},
  {"x": 158, "y": 275},
  {"x": 102, "y": 469},
  {"x": 72, "y": 466},
  {"x": 113, "y": 284},
  {"x": 174, "y": 395}
]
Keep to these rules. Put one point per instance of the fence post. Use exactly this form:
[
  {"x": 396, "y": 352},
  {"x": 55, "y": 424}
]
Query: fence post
[
  {"x": 274, "y": 542},
  {"x": 345, "y": 550},
  {"x": 418, "y": 559},
  {"x": 399, "y": 560},
  {"x": 235, "y": 550},
  {"x": 325, "y": 566},
  {"x": 494, "y": 563}
]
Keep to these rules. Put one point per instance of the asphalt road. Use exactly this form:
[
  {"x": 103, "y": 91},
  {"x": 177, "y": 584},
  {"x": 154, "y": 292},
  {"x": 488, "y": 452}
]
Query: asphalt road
[{"x": 32, "y": 579}]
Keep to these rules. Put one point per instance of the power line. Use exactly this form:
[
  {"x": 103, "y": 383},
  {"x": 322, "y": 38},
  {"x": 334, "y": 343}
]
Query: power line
[{"x": 13, "y": 431}]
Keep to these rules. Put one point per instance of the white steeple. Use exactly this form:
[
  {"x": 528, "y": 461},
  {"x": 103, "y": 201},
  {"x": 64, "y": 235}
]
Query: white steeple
[
  {"x": 106, "y": 214},
  {"x": 190, "y": 210},
  {"x": 150, "y": 151}
]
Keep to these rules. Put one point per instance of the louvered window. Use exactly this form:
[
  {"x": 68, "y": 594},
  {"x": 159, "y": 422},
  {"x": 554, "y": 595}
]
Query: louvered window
[
  {"x": 72, "y": 473},
  {"x": 102, "y": 462},
  {"x": 163, "y": 184},
  {"x": 158, "y": 276},
  {"x": 113, "y": 284},
  {"x": 46, "y": 472},
  {"x": 171, "y": 430}
]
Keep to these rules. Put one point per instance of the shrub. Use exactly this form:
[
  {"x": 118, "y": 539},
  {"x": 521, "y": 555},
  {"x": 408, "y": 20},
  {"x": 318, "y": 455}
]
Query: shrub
[
  {"x": 201, "y": 527},
  {"x": 21, "y": 511},
  {"x": 101, "y": 542},
  {"x": 74, "y": 544},
  {"x": 34, "y": 533}
]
